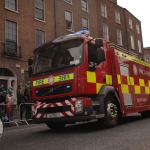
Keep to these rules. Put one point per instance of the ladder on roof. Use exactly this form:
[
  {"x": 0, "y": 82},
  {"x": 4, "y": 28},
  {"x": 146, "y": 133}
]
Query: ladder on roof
[{"x": 119, "y": 48}]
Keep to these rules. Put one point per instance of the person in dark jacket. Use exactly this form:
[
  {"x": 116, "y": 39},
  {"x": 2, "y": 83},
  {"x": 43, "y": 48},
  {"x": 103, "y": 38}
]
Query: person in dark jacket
[
  {"x": 20, "y": 101},
  {"x": 1, "y": 88},
  {"x": 2, "y": 106},
  {"x": 27, "y": 101}
]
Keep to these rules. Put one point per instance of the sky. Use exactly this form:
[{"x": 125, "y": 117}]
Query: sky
[{"x": 141, "y": 10}]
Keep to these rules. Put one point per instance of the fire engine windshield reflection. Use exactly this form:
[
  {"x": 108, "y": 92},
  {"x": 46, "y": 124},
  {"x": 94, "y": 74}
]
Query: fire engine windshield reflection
[{"x": 59, "y": 56}]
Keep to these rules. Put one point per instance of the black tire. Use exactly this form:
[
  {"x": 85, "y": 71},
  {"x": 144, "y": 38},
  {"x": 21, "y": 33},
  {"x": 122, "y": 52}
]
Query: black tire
[
  {"x": 55, "y": 126},
  {"x": 111, "y": 112},
  {"x": 145, "y": 114}
]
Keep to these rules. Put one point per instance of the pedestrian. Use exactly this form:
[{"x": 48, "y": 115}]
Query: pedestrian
[
  {"x": 3, "y": 113},
  {"x": 10, "y": 104},
  {"x": 1, "y": 88},
  {"x": 10, "y": 90},
  {"x": 27, "y": 101},
  {"x": 20, "y": 101}
]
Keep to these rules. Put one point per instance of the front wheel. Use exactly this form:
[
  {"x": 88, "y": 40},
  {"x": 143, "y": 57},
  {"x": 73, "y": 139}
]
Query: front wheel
[
  {"x": 111, "y": 112},
  {"x": 55, "y": 126},
  {"x": 145, "y": 114}
]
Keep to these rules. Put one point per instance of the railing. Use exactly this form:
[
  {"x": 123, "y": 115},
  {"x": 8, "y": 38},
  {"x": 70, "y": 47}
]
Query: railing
[
  {"x": 25, "y": 112},
  {"x": 12, "y": 49},
  {"x": 10, "y": 114},
  {"x": 7, "y": 114}
]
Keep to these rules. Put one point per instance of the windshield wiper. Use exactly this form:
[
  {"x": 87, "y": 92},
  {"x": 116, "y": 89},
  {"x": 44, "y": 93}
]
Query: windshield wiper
[{"x": 51, "y": 90}]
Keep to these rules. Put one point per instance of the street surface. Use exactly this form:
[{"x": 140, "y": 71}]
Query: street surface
[{"x": 133, "y": 134}]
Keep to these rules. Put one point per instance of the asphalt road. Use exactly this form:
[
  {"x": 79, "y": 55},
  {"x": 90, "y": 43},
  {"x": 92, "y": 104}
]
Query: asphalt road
[{"x": 133, "y": 134}]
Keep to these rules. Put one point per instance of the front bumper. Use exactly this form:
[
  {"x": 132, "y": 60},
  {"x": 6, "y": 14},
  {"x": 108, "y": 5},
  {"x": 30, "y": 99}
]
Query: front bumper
[{"x": 68, "y": 119}]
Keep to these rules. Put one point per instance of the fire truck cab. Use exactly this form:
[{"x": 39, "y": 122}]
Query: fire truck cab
[{"x": 78, "y": 78}]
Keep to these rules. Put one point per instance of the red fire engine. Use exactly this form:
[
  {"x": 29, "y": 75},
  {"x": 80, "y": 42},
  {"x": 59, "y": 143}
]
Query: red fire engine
[{"x": 78, "y": 78}]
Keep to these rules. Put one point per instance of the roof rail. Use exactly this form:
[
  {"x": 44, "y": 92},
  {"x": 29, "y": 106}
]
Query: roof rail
[{"x": 119, "y": 48}]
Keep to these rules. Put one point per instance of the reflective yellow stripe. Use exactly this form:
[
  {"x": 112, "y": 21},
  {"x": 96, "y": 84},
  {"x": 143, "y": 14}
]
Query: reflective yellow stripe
[
  {"x": 128, "y": 57},
  {"x": 119, "y": 79},
  {"x": 40, "y": 82},
  {"x": 128, "y": 80},
  {"x": 109, "y": 79},
  {"x": 137, "y": 89},
  {"x": 60, "y": 78},
  {"x": 124, "y": 88},
  {"x": 98, "y": 87},
  {"x": 91, "y": 77},
  {"x": 147, "y": 90},
  {"x": 131, "y": 81},
  {"x": 64, "y": 77},
  {"x": 141, "y": 81}
]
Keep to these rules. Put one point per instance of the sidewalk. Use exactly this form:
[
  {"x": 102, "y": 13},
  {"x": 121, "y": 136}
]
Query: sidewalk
[{"x": 16, "y": 120}]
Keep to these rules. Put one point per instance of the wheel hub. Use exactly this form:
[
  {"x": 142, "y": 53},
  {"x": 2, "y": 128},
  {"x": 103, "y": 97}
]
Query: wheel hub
[{"x": 112, "y": 110}]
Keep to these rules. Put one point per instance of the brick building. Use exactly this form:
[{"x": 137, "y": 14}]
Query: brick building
[
  {"x": 147, "y": 54},
  {"x": 103, "y": 18},
  {"x": 26, "y": 24}
]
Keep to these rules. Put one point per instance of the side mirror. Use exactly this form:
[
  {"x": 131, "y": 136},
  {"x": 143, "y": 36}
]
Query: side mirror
[
  {"x": 30, "y": 71},
  {"x": 30, "y": 62},
  {"x": 99, "y": 42}
]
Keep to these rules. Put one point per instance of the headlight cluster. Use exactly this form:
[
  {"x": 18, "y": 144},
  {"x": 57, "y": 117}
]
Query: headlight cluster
[{"x": 79, "y": 106}]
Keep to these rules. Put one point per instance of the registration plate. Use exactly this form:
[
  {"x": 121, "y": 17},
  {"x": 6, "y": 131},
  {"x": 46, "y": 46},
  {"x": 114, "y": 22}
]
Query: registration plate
[{"x": 55, "y": 115}]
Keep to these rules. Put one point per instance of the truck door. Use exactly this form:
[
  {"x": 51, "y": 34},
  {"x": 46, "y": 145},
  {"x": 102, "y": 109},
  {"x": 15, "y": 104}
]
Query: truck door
[{"x": 125, "y": 85}]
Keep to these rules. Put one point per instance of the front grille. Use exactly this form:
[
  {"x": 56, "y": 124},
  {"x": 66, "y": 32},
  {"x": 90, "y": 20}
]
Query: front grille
[
  {"x": 54, "y": 90},
  {"x": 53, "y": 109}
]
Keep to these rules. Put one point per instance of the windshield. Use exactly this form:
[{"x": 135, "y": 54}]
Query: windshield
[{"x": 58, "y": 56}]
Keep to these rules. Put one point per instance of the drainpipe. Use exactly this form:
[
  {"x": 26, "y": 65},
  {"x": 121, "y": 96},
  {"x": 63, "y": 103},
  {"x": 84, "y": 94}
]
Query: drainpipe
[{"x": 55, "y": 19}]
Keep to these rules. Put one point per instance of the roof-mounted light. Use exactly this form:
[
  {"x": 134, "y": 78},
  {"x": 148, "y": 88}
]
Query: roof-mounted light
[{"x": 85, "y": 32}]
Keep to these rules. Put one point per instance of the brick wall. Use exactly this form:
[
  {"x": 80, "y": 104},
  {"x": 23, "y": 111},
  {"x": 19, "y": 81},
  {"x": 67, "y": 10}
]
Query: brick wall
[{"x": 27, "y": 24}]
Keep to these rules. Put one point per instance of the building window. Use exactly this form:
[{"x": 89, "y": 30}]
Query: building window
[
  {"x": 139, "y": 46},
  {"x": 130, "y": 23},
  {"x": 104, "y": 10},
  {"x": 10, "y": 37},
  {"x": 84, "y": 5},
  {"x": 119, "y": 37},
  {"x": 39, "y": 9},
  {"x": 132, "y": 42},
  {"x": 68, "y": 19},
  {"x": 105, "y": 31},
  {"x": 117, "y": 17},
  {"x": 68, "y": 1},
  {"x": 137, "y": 29},
  {"x": 40, "y": 37},
  {"x": 147, "y": 57},
  {"x": 85, "y": 23},
  {"x": 11, "y": 4}
]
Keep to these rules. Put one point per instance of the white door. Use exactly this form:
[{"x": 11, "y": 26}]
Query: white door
[{"x": 125, "y": 85}]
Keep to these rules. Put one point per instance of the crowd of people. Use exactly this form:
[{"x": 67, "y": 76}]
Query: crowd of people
[{"x": 8, "y": 103}]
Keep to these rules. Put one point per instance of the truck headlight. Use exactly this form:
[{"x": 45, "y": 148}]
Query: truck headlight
[{"x": 79, "y": 106}]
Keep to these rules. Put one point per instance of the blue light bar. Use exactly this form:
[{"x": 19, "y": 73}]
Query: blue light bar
[
  {"x": 82, "y": 32},
  {"x": 68, "y": 86}
]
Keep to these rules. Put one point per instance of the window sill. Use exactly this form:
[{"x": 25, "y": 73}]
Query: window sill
[
  {"x": 40, "y": 20},
  {"x": 12, "y": 10}
]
